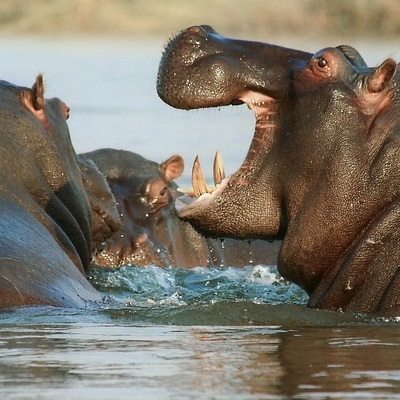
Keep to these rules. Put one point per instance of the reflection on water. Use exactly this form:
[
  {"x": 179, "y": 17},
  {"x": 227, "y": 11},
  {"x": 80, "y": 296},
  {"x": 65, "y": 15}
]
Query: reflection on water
[
  {"x": 114, "y": 360},
  {"x": 342, "y": 361},
  {"x": 173, "y": 334}
]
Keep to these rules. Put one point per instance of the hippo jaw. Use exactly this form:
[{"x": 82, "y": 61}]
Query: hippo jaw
[
  {"x": 200, "y": 68},
  {"x": 211, "y": 212}
]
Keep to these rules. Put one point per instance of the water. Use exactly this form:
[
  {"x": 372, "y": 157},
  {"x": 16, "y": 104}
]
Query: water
[{"x": 219, "y": 333}]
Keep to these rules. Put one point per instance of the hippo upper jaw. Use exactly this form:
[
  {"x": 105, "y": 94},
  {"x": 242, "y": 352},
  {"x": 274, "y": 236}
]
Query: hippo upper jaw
[{"x": 200, "y": 68}]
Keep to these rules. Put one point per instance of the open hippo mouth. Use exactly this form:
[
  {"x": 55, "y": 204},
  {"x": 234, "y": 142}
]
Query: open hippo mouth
[{"x": 201, "y": 68}]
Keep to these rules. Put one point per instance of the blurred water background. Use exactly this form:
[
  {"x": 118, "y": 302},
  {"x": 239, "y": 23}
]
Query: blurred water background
[{"x": 207, "y": 333}]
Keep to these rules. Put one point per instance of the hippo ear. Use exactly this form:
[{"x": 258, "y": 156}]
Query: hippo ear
[
  {"x": 33, "y": 99},
  {"x": 382, "y": 76},
  {"x": 172, "y": 168},
  {"x": 38, "y": 93}
]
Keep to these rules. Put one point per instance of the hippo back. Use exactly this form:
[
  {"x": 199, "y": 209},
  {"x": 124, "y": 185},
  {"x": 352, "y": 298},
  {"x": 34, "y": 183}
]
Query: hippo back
[{"x": 45, "y": 233}]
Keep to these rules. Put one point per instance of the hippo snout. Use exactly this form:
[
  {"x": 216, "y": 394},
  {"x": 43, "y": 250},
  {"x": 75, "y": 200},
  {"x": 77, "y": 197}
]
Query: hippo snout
[
  {"x": 197, "y": 33},
  {"x": 201, "y": 68}
]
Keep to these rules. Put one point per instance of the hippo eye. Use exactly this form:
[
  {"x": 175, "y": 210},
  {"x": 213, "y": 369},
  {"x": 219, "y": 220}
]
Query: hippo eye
[
  {"x": 101, "y": 247},
  {"x": 321, "y": 62}
]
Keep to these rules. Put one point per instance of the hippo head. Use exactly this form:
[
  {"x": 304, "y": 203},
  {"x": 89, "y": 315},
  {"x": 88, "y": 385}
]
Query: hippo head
[
  {"x": 143, "y": 192},
  {"x": 50, "y": 173},
  {"x": 323, "y": 162},
  {"x": 200, "y": 68}
]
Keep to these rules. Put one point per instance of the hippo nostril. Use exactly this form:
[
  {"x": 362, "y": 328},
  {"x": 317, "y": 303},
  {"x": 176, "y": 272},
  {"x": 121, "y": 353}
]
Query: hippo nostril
[
  {"x": 207, "y": 29},
  {"x": 201, "y": 30},
  {"x": 195, "y": 29},
  {"x": 194, "y": 36}
]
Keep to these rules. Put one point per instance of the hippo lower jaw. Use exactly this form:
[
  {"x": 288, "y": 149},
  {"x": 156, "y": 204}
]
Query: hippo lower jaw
[
  {"x": 206, "y": 212},
  {"x": 210, "y": 213},
  {"x": 189, "y": 206}
]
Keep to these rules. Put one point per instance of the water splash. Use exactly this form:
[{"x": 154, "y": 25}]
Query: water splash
[
  {"x": 253, "y": 295},
  {"x": 138, "y": 286}
]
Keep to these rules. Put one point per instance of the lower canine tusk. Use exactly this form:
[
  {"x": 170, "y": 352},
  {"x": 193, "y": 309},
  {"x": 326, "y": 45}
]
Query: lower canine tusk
[
  {"x": 198, "y": 181},
  {"x": 219, "y": 172}
]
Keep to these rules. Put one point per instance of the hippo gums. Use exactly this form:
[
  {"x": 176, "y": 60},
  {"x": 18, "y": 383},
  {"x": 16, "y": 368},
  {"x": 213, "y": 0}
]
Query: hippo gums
[
  {"x": 45, "y": 215},
  {"x": 322, "y": 172}
]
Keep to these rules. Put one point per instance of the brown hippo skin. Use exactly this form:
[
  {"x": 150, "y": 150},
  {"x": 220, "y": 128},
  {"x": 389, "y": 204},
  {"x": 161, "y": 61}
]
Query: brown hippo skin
[
  {"x": 45, "y": 217},
  {"x": 323, "y": 169},
  {"x": 105, "y": 219},
  {"x": 151, "y": 233}
]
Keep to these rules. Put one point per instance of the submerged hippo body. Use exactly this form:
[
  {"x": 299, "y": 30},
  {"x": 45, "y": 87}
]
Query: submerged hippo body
[
  {"x": 151, "y": 233},
  {"x": 323, "y": 170},
  {"x": 45, "y": 218}
]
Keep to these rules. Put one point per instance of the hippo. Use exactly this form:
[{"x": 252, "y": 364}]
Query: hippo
[
  {"x": 151, "y": 233},
  {"x": 142, "y": 189},
  {"x": 45, "y": 214},
  {"x": 322, "y": 173},
  {"x": 105, "y": 218}
]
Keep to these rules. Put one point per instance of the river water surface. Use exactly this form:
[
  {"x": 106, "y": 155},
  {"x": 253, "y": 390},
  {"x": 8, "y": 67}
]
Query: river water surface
[{"x": 206, "y": 333}]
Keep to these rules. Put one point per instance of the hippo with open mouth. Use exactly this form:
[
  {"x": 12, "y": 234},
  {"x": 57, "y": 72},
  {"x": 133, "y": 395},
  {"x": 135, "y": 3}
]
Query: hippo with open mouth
[{"x": 322, "y": 173}]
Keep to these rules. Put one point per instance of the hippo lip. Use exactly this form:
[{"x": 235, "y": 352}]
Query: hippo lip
[
  {"x": 187, "y": 205},
  {"x": 198, "y": 50}
]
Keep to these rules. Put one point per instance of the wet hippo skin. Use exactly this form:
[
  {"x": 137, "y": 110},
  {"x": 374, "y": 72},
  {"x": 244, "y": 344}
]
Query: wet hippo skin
[
  {"x": 322, "y": 172},
  {"x": 45, "y": 216}
]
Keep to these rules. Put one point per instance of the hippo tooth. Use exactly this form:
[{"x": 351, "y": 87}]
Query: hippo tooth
[
  {"x": 198, "y": 180},
  {"x": 199, "y": 184},
  {"x": 219, "y": 172}
]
